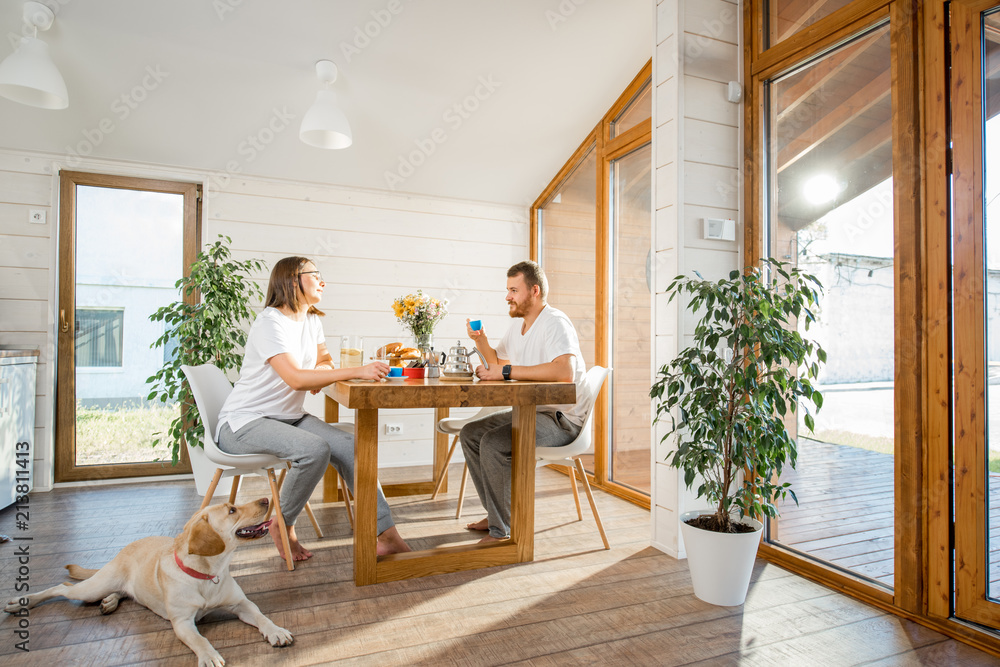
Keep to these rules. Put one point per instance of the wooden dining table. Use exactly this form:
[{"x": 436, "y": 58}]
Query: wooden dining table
[{"x": 367, "y": 398}]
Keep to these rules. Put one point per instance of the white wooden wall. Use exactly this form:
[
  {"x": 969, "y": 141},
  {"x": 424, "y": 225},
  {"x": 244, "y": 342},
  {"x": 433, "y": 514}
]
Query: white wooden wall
[
  {"x": 696, "y": 137},
  {"x": 371, "y": 246}
]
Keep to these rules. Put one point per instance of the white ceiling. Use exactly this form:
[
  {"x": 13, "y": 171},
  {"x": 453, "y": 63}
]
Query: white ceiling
[{"x": 230, "y": 68}]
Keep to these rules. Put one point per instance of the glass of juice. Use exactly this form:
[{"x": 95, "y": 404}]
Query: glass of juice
[{"x": 351, "y": 351}]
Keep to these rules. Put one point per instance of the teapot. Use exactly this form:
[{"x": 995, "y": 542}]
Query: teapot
[{"x": 456, "y": 362}]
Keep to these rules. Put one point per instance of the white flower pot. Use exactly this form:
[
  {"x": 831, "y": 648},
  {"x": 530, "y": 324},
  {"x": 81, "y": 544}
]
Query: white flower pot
[{"x": 720, "y": 563}]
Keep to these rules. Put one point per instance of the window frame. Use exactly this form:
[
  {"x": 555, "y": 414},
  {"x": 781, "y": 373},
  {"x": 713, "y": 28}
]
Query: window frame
[
  {"x": 922, "y": 479},
  {"x": 606, "y": 150}
]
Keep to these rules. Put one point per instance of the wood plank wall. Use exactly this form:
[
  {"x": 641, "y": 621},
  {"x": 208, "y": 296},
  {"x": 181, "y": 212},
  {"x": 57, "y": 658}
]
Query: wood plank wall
[
  {"x": 371, "y": 246},
  {"x": 27, "y": 281},
  {"x": 697, "y": 149}
]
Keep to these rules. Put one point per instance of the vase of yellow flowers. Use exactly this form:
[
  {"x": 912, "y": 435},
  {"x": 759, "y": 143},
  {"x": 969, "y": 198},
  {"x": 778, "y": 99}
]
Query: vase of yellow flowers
[{"x": 419, "y": 313}]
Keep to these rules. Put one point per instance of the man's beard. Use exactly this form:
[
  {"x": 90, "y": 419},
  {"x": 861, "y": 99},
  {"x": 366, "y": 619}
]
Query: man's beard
[{"x": 519, "y": 310}]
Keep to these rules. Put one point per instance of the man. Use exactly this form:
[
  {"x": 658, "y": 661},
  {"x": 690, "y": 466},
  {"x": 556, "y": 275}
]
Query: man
[{"x": 540, "y": 345}]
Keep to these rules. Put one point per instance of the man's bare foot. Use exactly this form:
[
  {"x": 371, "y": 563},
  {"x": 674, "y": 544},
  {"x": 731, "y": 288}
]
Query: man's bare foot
[
  {"x": 389, "y": 542},
  {"x": 299, "y": 552},
  {"x": 482, "y": 524},
  {"x": 489, "y": 539}
]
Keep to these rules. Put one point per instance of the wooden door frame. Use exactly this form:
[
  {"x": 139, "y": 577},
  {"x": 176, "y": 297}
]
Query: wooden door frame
[
  {"x": 923, "y": 480},
  {"x": 606, "y": 149},
  {"x": 66, "y": 469},
  {"x": 971, "y": 528},
  {"x": 811, "y": 43}
]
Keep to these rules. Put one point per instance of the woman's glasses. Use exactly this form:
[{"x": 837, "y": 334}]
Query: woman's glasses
[{"x": 319, "y": 276}]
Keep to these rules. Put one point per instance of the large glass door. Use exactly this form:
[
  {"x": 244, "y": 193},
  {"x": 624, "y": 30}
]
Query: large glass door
[
  {"x": 591, "y": 232},
  {"x": 124, "y": 243},
  {"x": 630, "y": 208},
  {"x": 829, "y": 198},
  {"x": 975, "y": 138}
]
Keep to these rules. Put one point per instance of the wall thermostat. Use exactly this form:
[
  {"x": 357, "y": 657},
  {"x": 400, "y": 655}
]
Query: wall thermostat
[{"x": 720, "y": 229}]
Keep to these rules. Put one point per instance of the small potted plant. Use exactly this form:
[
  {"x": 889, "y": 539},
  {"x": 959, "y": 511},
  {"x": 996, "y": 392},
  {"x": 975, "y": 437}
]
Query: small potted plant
[
  {"x": 726, "y": 398},
  {"x": 207, "y": 325}
]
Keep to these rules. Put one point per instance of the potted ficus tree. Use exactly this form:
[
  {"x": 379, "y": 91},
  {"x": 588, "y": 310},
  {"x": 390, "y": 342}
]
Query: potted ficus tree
[
  {"x": 207, "y": 325},
  {"x": 727, "y": 397}
]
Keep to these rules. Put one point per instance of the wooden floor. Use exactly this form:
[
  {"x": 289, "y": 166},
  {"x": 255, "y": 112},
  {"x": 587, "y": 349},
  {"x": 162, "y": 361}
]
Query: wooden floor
[
  {"x": 575, "y": 604},
  {"x": 832, "y": 494}
]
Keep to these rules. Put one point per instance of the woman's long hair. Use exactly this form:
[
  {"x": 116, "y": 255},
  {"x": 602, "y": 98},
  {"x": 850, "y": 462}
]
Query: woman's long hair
[{"x": 285, "y": 286}]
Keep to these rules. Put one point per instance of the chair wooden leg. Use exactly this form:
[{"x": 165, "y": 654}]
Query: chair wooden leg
[
  {"x": 281, "y": 519},
  {"x": 576, "y": 492},
  {"x": 312, "y": 518},
  {"x": 444, "y": 468},
  {"x": 347, "y": 500},
  {"x": 281, "y": 480},
  {"x": 461, "y": 490},
  {"x": 211, "y": 488},
  {"x": 234, "y": 489},
  {"x": 593, "y": 505}
]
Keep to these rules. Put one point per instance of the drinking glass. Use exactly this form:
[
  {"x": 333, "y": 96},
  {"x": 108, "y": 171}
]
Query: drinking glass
[{"x": 351, "y": 351}]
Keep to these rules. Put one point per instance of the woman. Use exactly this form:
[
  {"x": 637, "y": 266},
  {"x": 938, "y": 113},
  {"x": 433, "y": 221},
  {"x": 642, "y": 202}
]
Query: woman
[{"x": 285, "y": 357}]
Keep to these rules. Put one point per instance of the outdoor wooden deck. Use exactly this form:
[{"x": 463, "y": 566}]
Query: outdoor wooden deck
[
  {"x": 575, "y": 604},
  {"x": 845, "y": 511}
]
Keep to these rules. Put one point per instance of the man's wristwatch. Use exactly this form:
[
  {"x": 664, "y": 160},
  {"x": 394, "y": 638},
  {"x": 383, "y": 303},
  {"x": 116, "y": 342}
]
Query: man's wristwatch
[{"x": 506, "y": 372}]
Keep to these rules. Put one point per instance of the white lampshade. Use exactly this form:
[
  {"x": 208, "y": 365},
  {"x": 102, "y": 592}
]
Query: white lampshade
[
  {"x": 325, "y": 125},
  {"x": 30, "y": 77}
]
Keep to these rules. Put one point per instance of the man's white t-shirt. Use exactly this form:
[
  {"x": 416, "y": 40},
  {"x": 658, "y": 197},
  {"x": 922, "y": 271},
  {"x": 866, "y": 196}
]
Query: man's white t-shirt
[
  {"x": 551, "y": 335},
  {"x": 260, "y": 391}
]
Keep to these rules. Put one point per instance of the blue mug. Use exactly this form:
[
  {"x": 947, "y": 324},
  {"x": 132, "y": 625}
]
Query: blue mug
[
  {"x": 396, "y": 372},
  {"x": 476, "y": 325}
]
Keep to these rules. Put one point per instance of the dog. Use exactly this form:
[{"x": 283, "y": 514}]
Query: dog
[{"x": 180, "y": 579}]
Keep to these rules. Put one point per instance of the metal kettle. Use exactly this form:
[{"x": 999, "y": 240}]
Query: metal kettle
[
  {"x": 456, "y": 362},
  {"x": 432, "y": 363}
]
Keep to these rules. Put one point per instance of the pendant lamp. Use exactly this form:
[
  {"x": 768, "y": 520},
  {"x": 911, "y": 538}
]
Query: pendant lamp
[{"x": 325, "y": 125}]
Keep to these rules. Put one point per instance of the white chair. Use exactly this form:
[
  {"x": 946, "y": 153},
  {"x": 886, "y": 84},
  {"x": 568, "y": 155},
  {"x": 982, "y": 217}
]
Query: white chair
[
  {"x": 453, "y": 426},
  {"x": 569, "y": 455},
  {"x": 211, "y": 388}
]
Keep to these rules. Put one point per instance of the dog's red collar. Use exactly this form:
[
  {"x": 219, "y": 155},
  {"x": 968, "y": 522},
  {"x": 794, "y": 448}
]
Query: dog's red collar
[{"x": 194, "y": 573}]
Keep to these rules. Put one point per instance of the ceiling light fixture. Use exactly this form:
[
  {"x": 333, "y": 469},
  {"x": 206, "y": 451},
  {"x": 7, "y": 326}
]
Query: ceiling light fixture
[
  {"x": 28, "y": 75},
  {"x": 325, "y": 125}
]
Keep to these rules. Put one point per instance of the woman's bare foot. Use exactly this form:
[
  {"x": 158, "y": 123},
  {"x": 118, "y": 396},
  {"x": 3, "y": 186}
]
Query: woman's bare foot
[
  {"x": 299, "y": 552},
  {"x": 490, "y": 539},
  {"x": 389, "y": 542},
  {"x": 482, "y": 524}
]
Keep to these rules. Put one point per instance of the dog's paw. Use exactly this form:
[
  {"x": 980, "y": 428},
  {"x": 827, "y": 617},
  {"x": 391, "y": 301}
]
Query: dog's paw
[
  {"x": 213, "y": 659},
  {"x": 278, "y": 636},
  {"x": 110, "y": 603},
  {"x": 12, "y": 606}
]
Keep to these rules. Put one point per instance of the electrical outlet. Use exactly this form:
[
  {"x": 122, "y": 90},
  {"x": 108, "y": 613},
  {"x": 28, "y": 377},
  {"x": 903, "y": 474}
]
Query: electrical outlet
[
  {"x": 36, "y": 216},
  {"x": 394, "y": 429}
]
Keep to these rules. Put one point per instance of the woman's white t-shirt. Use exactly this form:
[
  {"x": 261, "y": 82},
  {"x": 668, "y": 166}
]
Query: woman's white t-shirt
[
  {"x": 551, "y": 335},
  {"x": 260, "y": 391}
]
